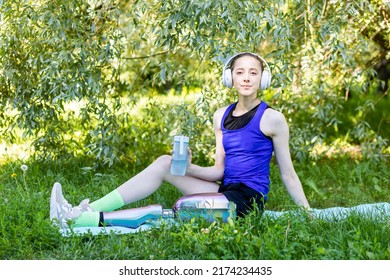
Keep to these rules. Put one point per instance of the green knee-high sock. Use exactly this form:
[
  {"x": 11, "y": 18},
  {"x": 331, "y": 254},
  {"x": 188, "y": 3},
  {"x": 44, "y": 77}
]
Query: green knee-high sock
[
  {"x": 109, "y": 202},
  {"x": 87, "y": 219}
]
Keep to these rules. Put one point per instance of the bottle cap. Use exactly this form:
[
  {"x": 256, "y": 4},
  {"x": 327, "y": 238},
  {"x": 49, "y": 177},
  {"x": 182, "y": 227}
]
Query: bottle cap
[
  {"x": 168, "y": 214},
  {"x": 181, "y": 139}
]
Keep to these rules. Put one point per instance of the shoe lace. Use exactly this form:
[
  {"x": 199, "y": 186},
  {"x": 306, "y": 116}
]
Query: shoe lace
[{"x": 75, "y": 212}]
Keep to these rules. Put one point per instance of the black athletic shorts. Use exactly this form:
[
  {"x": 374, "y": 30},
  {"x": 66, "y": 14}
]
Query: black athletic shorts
[{"x": 243, "y": 196}]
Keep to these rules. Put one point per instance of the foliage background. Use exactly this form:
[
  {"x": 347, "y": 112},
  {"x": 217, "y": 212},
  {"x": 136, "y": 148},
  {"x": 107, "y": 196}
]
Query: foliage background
[
  {"x": 94, "y": 90},
  {"x": 103, "y": 78}
]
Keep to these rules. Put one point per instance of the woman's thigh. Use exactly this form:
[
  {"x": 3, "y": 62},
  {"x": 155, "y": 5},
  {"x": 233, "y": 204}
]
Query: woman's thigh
[{"x": 191, "y": 185}]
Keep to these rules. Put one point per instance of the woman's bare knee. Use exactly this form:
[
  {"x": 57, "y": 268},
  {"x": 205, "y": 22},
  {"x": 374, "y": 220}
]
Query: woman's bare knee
[{"x": 163, "y": 161}]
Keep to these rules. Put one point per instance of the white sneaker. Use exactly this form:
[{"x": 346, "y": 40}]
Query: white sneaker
[{"x": 61, "y": 211}]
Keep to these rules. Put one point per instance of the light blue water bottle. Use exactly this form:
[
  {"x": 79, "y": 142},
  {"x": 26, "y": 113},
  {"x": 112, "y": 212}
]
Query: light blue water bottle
[{"x": 180, "y": 155}]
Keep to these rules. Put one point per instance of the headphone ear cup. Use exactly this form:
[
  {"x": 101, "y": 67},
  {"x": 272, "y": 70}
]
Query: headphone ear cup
[
  {"x": 227, "y": 78},
  {"x": 265, "y": 80}
]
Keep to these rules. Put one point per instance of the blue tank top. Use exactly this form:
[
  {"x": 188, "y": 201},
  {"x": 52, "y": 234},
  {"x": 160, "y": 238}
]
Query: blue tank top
[{"x": 248, "y": 153}]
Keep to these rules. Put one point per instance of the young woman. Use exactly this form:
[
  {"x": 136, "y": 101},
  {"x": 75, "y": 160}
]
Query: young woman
[{"x": 247, "y": 134}]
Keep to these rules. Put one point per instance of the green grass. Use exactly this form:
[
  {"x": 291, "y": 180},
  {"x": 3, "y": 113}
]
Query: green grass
[{"x": 26, "y": 232}]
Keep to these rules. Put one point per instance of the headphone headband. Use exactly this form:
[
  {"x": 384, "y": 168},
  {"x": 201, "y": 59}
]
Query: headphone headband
[{"x": 227, "y": 73}]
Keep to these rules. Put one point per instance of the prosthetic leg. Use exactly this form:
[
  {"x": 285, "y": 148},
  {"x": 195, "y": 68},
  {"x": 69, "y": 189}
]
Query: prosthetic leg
[
  {"x": 207, "y": 206},
  {"x": 131, "y": 218}
]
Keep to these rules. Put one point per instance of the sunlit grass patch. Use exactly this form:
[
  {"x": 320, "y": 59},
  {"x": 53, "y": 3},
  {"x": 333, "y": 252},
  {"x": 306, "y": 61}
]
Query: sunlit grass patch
[{"x": 28, "y": 234}]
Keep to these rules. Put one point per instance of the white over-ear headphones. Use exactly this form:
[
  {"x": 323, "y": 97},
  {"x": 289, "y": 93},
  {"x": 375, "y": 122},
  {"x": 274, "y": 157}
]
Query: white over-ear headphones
[{"x": 227, "y": 72}]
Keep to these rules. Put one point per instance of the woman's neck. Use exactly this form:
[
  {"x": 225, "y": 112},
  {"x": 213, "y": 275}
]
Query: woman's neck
[
  {"x": 247, "y": 104},
  {"x": 244, "y": 105}
]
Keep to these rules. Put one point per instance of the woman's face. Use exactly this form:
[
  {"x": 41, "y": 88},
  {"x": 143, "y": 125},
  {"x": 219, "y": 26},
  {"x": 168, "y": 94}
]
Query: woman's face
[{"x": 246, "y": 75}]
